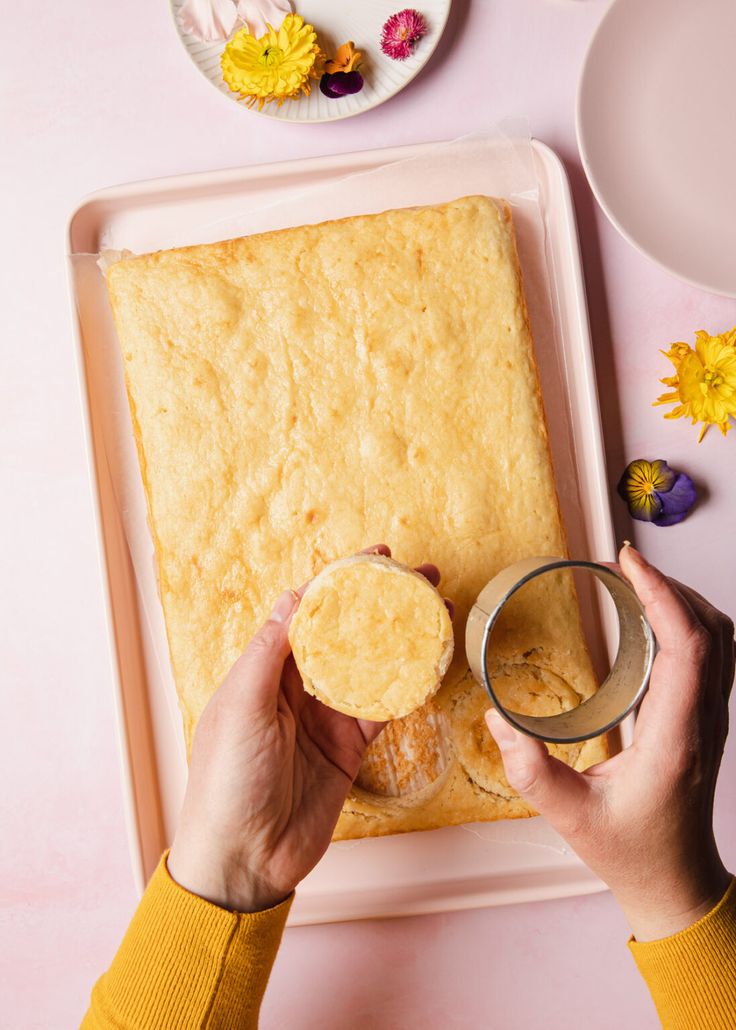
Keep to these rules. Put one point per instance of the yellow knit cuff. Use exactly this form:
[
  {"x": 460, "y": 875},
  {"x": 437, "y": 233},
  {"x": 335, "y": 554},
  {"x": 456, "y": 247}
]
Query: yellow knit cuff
[
  {"x": 692, "y": 974},
  {"x": 185, "y": 962}
]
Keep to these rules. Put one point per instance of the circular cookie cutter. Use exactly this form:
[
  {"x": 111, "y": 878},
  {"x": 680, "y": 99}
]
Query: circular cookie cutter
[{"x": 625, "y": 684}]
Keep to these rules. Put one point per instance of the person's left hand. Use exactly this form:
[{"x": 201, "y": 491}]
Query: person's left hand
[{"x": 270, "y": 769}]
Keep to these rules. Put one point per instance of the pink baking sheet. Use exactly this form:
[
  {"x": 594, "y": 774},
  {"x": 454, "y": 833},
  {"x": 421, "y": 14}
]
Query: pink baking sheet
[{"x": 458, "y": 867}]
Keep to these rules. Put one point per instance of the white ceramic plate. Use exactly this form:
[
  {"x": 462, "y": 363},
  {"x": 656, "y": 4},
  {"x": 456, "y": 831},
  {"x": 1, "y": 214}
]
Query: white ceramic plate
[
  {"x": 337, "y": 21},
  {"x": 656, "y": 123}
]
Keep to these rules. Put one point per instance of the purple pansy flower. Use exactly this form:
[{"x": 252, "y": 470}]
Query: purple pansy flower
[
  {"x": 341, "y": 84},
  {"x": 656, "y": 493}
]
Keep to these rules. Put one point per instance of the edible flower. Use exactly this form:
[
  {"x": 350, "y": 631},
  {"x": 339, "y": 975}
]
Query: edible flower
[
  {"x": 341, "y": 73},
  {"x": 401, "y": 33},
  {"x": 656, "y": 493},
  {"x": 258, "y": 15},
  {"x": 345, "y": 60},
  {"x": 210, "y": 21},
  {"x": 278, "y": 66},
  {"x": 341, "y": 84},
  {"x": 704, "y": 385}
]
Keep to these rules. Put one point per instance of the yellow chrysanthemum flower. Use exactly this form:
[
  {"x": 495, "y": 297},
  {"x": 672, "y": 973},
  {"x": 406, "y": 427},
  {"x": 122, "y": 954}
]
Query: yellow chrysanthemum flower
[
  {"x": 704, "y": 386},
  {"x": 278, "y": 66}
]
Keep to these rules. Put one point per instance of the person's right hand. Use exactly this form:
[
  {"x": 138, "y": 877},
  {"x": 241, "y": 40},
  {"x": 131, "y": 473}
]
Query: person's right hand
[{"x": 643, "y": 820}]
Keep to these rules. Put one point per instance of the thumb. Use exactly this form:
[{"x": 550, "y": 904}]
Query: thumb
[
  {"x": 558, "y": 792},
  {"x": 256, "y": 676}
]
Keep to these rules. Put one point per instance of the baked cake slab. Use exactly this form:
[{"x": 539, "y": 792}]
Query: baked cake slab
[{"x": 298, "y": 394}]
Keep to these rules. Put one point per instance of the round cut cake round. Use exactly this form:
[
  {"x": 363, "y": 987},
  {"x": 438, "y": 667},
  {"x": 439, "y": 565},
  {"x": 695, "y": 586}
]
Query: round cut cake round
[{"x": 371, "y": 638}]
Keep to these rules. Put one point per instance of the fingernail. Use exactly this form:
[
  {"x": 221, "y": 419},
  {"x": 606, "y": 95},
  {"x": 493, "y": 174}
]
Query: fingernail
[
  {"x": 636, "y": 557},
  {"x": 502, "y": 733},
  {"x": 284, "y": 606}
]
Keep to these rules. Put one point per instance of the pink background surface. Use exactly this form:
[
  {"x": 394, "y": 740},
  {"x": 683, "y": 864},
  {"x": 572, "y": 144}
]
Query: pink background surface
[{"x": 98, "y": 94}]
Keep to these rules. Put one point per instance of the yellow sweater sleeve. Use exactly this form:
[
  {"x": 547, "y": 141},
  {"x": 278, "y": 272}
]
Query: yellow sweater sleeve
[
  {"x": 186, "y": 963},
  {"x": 692, "y": 974}
]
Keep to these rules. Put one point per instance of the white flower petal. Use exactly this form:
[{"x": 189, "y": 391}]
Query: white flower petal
[
  {"x": 208, "y": 20},
  {"x": 259, "y": 14}
]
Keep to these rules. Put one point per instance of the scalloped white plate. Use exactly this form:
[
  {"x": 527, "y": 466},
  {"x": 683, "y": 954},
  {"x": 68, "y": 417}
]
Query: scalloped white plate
[{"x": 337, "y": 21}]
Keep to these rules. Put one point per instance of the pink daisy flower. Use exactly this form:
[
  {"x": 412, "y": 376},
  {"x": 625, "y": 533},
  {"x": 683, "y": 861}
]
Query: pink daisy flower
[{"x": 402, "y": 32}]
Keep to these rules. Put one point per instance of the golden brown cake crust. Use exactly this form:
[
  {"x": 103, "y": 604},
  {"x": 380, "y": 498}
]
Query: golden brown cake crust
[{"x": 300, "y": 394}]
